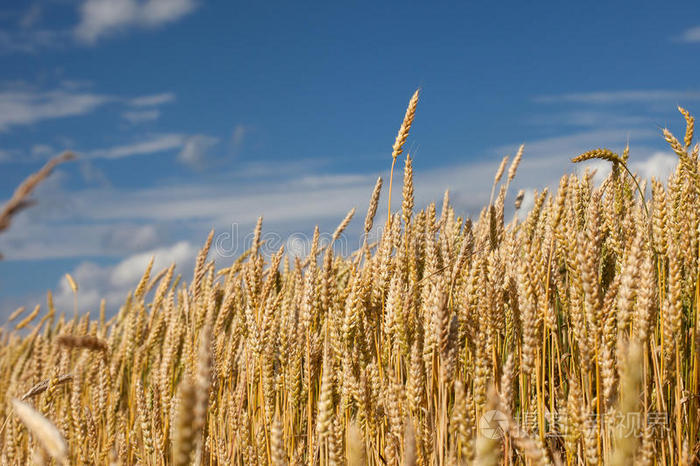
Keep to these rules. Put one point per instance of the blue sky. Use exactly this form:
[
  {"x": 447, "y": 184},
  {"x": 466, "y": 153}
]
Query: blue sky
[{"x": 193, "y": 114}]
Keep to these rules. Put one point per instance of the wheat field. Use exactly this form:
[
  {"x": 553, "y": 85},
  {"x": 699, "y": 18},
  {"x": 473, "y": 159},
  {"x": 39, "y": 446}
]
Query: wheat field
[{"x": 566, "y": 335}]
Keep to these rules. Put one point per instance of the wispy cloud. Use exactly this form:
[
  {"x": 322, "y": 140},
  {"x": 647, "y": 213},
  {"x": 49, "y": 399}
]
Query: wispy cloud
[
  {"x": 107, "y": 240},
  {"x": 31, "y": 17},
  {"x": 192, "y": 149},
  {"x": 92, "y": 175},
  {"x": 239, "y": 135},
  {"x": 141, "y": 116},
  {"x": 28, "y": 35},
  {"x": 152, "y": 145},
  {"x": 691, "y": 35},
  {"x": 588, "y": 119},
  {"x": 195, "y": 150},
  {"x": 42, "y": 151},
  {"x": 152, "y": 100},
  {"x": 24, "y": 107},
  {"x": 239, "y": 138},
  {"x": 22, "y": 104},
  {"x": 100, "y": 18},
  {"x": 624, "y": 96},
  {"x": 32, "y": 40},
  {"x": 5, "y": 155}
]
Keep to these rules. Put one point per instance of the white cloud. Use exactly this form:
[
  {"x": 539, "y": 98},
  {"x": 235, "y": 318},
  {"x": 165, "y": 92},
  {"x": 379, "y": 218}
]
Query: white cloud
[
  {"x": 239, "y": 137},
  {"x": 22, "y": 104},
  {"x": 115, "y": 222},
  {"x": 624, "y": 96},
  {"x": 152, "y": 100},
  {"x": 42, "y": 150},
  {"x": 130, "y": 270},
  {"x": 129, "y": 225},
  {"x": 99, "y": 18},
  {"x": 141, "y": 116},
  {"x": 239, "y": 134},
  {"x": 192, "y": 149},
  {"x": 31, "y": 40},
  {"x": 588, "y": 119},
  {"x": 660, "y": 166},
  {"x": 133, "y": 238},
  {"x": 24, "y": 107},
  {"x": 157, "y": 12},
  {"x": 152, "y": 145},
  {"x": 224, "y": 202},
  {"x": 75, "y": 84},
  {"x": 195, "y": 149},
  {"x": 691, "y": 35},
  {"x": 31, "y": 17},
  {"x": 36, "y": 237},
  {"x": 114, "y": 282},
  {"x": 92, "y": 174},
  {"x": 567, "y": 146},
  {"x": 6, "y": 156}
]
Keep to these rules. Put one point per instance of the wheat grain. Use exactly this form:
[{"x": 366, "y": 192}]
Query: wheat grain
[
  {"x": 401, "y": 139},
  {"x": 50, "y": 438},
  {"x": 16, "y": 313},
  {"x": 374, "y": 201},
  {"x": 84, "y": 341},
  {"x": 603, "y": 154},
  {"x": 27, "y": 320}
]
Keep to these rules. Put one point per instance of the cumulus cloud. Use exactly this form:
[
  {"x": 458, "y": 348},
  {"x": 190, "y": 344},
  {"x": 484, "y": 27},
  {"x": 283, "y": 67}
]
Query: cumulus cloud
[
  {"x": 114, "y": 282},
  {"x": 660, "y": 166},
  {"x": 100, "y": 18},
  {"x": 130, "y": 270}
]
